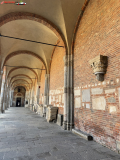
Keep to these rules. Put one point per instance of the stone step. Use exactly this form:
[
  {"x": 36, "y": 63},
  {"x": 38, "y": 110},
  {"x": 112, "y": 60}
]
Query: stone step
[{"x": 82, "y": 134}]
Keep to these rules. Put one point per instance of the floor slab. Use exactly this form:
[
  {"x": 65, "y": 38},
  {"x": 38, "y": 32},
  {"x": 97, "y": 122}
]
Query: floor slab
[{"x": 24, "y": 135}]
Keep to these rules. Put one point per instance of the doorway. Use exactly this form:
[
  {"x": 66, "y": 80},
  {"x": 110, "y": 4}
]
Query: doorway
[{"x": 18, "y": 102}]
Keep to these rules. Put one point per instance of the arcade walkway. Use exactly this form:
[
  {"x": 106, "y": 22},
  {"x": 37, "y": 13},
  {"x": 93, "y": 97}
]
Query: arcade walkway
[{"x": 24, "y": 135}]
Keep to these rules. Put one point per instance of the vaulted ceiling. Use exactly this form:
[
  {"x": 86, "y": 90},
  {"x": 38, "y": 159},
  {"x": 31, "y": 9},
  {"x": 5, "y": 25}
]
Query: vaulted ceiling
[{"x": 59, "y": 20}]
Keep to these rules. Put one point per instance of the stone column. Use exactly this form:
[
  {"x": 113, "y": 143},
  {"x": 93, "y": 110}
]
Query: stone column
[
  {"x": 71, "y": 94},
  {"x": 11, "y": 100},
  {"x": 2, "y": 96},
  {"x": 1, "y": 74},
  {"x": 38, "y": 92},
  {"x": 46, "y": 92},
  {"x": 5, "y": 97},
  {"x": 65, "y": 91},
  {"x": 32, "y": 98},
  {"x": 9, "y": 94},
  {"x": 68, "y": 93},
  {"x": 29, "y": 97}
]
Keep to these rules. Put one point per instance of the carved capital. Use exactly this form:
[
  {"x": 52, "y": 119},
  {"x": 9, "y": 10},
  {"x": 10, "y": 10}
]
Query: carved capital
[{"x": 99, "y": 65}]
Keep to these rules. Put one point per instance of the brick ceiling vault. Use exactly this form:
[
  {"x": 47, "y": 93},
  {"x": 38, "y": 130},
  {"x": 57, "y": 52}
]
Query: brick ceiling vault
[{"x": 45, "y": 21}]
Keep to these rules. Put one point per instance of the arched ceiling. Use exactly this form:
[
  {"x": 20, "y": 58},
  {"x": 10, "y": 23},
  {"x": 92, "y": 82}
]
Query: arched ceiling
[
  {"x": 21, "y": 76},
  {"x": 60, "y": 13}
]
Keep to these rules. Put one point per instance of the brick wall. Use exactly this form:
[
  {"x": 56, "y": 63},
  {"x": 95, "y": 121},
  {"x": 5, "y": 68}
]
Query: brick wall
[
  {"x": 57, "y": 79},
  {"x": 97, "y": 104},
  {"x": 42, "y": 86}
]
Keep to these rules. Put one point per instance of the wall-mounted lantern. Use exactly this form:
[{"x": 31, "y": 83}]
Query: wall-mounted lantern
[{"x": 99, "y": 65}]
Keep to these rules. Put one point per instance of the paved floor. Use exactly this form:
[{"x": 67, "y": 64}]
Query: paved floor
[{"x": 24, "y": 135}]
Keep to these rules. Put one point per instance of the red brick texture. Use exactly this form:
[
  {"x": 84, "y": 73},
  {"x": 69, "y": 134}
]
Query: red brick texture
[
  {"x": 99, "y": 33},
  {"x": 57, "y": 78}
]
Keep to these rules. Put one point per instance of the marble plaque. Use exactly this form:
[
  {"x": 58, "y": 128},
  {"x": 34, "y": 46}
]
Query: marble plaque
[
  {"x": 59, "y": 98},
  {"x": 53, "y": 98},
  {"x": 109, "y": 91},
  {"x": 88, "y": 106},
  {"x": 49, "y": 99},
  {"x": 119, "y": 94},
  {"x": 96, "y": 91},
  {"x": 111, "y": 100},
  {"x": 63, "y": 98},
  {"x": 77, "y": 102},
  {"x": 77, "y": 92},
  {"x": 118, "y": 145},
  {"x": 86, "y": 95},
  {"x": 99, "y": 103},
  {"x": 112, "y": 109}
]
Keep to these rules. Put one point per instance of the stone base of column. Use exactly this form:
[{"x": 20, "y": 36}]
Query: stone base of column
[
  {"x": 3, "y": 111},
  {"x": 65, "y": 125},
  {"x": 68, "y": 126},
  {"x": 71, "y": 126},
  {"x": 44, "y": 114}
]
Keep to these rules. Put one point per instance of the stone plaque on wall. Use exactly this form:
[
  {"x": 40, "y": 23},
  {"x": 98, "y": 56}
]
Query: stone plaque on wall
[
  {"x": 77, "y": 92},
  {"x": 99, "y": 103},
  {"x": 111, "y": 100},
  {"x": 63, "y": 98},
  {"x": 88, "y": 106},
  {"x": 109, "y": 91},
  {"x": 59, "y": 98},
  {"x": 118, "y": 145},
  {"x": 53, "y": 98},
  {"x": 97, "y": 91},
  {"x": 119, "y": 94},
  {"x": 86, "y": 95},
  {"x": 112, "y": 109},
  {"x": 77, "y": 102},
  {"x": 49, "y": 99}
]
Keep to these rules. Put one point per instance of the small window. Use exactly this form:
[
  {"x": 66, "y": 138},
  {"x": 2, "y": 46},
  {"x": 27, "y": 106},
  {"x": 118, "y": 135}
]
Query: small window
[{"x": 18, "y": 89}]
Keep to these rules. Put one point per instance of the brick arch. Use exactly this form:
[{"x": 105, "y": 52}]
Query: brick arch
[
  {"x": 34, "y": 17},
  {"x": 18, "y": 80},
  {"x": 24, "y": 52},
  {"x": 24, "y": 75},
  {"x": 13, "y": 69},
  {"x": 20, "y": 85}
]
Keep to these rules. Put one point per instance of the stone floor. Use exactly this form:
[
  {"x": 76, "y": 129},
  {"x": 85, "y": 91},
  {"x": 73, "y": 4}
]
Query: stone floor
[{"x": 24, "y": 135}]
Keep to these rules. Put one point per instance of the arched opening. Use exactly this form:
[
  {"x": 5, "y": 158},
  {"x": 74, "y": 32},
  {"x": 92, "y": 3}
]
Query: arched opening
[{"x": 19, "y": 97}]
